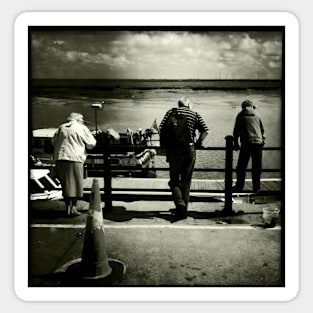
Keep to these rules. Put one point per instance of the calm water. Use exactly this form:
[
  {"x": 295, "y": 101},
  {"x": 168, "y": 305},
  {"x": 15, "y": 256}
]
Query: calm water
[{"x": 135, "y": 104}]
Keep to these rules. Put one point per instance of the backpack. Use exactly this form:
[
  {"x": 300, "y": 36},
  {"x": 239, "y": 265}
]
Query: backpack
[{"x": 175, "y": 132}]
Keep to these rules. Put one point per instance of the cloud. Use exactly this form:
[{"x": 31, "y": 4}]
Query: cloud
[
  {"x": 154, "y": 54},
  {"x": 272, "y": 64},
  {"x": 59, "y": 42},
  {"x": 247, "y": 43}
]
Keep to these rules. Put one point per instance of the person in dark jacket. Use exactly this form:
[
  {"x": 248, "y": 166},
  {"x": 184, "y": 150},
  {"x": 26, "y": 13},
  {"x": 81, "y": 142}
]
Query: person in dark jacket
[
  {"x": 249, "y": 129},
  {"x": 181, "y": 156}
]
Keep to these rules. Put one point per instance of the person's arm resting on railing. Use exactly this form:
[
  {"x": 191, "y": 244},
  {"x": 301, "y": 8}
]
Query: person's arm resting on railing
[{"x": 201, "y": 139}]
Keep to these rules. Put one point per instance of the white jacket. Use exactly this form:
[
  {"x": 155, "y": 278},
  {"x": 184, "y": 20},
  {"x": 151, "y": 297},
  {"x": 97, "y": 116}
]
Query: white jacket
[{"x": 70, "y": 142}]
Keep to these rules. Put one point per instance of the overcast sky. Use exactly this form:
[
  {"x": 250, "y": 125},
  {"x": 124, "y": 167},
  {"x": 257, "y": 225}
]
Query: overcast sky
[{"x": 156, "y": 54}]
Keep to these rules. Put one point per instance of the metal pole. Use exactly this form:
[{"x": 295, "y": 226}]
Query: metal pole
[
  {"x": 96, "y": 120},
  {"x": 229, "y": 175},
  {"x": 107, "y": 174},
  {"x": 96, "y": 106}
]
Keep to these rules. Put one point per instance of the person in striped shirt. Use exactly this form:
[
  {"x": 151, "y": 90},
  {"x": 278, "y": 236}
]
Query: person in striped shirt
[{"x": 181, "y": 156}]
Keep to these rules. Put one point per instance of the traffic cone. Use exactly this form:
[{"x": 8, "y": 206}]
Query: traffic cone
[
  {"x": 95, "y": 263},
  {"x": 94, "y": 268}
]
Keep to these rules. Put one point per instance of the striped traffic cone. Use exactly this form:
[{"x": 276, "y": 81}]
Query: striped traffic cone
[
  {"x": 95, "y": 263},
  {"x": 94, "y": 268}
]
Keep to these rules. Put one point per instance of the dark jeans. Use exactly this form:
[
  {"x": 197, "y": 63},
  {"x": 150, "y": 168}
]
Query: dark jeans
[
  {"x": 181, "y": 162},
  {"x": 255, "y": 152}
]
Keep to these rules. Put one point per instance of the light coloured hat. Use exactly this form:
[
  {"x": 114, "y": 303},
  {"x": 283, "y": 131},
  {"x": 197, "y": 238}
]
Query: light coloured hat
[{"x": 76, "y": 117}]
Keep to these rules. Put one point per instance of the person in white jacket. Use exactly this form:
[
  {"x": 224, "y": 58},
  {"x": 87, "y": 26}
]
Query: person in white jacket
[{"x": 70, "y": 142}]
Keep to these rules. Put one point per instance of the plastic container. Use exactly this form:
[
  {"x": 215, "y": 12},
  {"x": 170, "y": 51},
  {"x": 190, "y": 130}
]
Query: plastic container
[{"x": 270, "y": 216}]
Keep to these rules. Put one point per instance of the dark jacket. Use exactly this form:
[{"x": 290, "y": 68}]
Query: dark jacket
[{"x": 249, "y": 128}]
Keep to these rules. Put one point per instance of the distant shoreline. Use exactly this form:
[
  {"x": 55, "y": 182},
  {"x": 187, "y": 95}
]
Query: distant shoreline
[{"x": 150, "y": 84}]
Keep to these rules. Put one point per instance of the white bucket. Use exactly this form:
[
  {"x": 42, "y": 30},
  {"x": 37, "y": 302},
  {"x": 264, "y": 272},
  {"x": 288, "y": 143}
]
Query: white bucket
[{"x": 270, "y": 215}]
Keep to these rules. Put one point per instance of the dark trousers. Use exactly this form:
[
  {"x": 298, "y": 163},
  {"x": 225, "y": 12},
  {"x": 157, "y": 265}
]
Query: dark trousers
[
  {"x": 181, "y": 162},
  {"x": 255, "y": 152}
]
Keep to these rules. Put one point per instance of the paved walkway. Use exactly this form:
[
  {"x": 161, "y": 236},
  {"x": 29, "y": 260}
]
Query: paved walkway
[{"x": 206, "y": 249}]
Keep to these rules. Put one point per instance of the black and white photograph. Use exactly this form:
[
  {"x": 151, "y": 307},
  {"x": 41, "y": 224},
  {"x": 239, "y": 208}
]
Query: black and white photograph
[{"x": 157, "y": 158}]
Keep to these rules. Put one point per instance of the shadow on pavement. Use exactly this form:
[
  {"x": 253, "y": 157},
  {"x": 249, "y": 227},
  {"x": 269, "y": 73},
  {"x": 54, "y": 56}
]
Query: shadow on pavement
[{"x": 54, "y": 212}]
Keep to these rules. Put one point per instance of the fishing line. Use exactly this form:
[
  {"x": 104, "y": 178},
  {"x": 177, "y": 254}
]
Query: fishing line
[{"x": 89, "y": 122}]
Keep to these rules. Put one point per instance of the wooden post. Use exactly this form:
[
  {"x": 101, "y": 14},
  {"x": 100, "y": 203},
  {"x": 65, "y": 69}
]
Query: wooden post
[
  {"x": 107, "y": 174},
  {"x": 229, "y": 175}
]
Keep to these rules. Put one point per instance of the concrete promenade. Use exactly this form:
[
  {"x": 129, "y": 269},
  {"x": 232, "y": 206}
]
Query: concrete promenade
[{"x": 206, "y": 249}]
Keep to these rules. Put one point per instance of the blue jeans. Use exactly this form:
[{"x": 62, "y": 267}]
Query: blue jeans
[
  {"x": 181, "y": 162},
  {"x": 255, "y": 152}
]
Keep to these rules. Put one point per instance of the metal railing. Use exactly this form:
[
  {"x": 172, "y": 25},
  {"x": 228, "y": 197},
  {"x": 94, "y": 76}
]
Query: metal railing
[
  {"x": 107, "y": 170},
  {"x": 228, "y": 170}
]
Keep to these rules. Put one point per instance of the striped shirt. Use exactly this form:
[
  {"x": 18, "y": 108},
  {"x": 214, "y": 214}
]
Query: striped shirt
[{"x": 194, "y": 121}]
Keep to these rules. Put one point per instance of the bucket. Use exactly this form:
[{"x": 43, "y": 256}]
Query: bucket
[{"x": 270, "y": 216}]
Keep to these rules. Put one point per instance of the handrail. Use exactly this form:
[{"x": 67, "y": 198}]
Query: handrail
[
  {"x": 228, "y": 170},
  {"x": 109, "y": 150}
]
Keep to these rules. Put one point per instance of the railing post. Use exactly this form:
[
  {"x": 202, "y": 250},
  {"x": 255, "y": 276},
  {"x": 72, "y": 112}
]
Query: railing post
[
  {"x": 228, "y": 175},
  {"x": 107, "y": 174}
]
